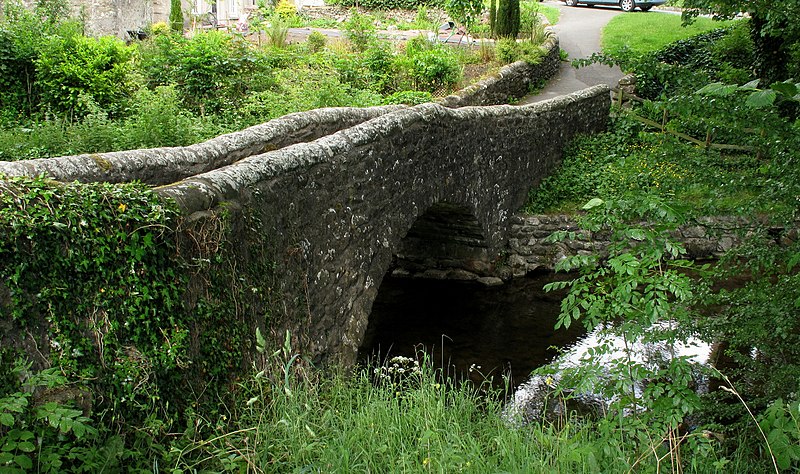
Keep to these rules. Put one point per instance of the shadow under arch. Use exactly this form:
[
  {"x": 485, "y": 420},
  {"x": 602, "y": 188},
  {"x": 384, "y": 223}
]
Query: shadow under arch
[{"x": 436, "y": 298}]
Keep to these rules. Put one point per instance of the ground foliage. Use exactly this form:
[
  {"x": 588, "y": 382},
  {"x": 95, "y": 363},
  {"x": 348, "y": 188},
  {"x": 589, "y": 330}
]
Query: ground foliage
[
  {"x": 144, "y": 319},
  {"x": 65, "y": 93},
  {"x": 748, "y": 302}
]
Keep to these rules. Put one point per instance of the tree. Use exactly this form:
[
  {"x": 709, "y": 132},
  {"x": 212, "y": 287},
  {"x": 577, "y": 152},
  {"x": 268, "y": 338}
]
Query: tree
[
  {"x": 774, "y": 28},
  {"x": 176, "y": 16},
  {"x": 507, "y": 23},
  {"x": 492, "y": 17}
]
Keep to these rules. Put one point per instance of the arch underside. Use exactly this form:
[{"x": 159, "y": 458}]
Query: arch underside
[{"x": 447, "y": 241}]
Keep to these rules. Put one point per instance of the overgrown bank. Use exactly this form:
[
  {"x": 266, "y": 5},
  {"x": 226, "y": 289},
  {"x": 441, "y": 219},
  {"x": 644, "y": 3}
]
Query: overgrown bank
[
  {"x": 702, "y": 138},
  {"x": 150, "y": 320}
]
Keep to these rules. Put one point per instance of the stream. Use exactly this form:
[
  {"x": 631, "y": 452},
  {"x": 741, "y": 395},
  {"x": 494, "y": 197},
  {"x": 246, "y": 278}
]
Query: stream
[{"x": 500, "y": 330}]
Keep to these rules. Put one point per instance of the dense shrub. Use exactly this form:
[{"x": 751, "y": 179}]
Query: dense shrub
[
  {"x": 509, "y": 50},
  {"x": 724, "y": 54},
  {"x": 389, "y": 4},
  {"x": 211, "y": 71},
  {"x": 430, "y": 68},
  {"x": 73, "y": 71},
  {"x": 17, "y": 72},
  {"x": 285, "y": 97},
  {"x": 316, "y": 41},
  {"x": 157, "y": 119},
  {"x": 360, "y": 31}
]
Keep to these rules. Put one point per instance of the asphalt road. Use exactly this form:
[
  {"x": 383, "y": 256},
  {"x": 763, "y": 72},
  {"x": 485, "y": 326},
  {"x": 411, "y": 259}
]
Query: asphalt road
[{"x": 578, "y": 33}]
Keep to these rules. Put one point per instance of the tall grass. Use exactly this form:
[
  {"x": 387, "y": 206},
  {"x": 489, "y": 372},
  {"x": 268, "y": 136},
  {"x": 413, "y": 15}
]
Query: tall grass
[{"x": 303, "y": 421}]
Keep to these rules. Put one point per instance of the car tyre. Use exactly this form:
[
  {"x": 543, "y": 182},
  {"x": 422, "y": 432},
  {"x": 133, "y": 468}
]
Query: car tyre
[
  {"x": 571, "y": 3},
  {"x": 627, "y": 5},
  {"x": 646, "y": 8}
]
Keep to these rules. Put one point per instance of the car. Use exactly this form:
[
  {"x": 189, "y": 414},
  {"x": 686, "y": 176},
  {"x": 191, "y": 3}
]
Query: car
[{"x": 626, "y": 5}]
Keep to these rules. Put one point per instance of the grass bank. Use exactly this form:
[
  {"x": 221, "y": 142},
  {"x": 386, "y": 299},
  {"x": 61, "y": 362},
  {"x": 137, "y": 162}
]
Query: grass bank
[
  {"x": 650, "y": 32},
  {"x": 381, "y": 420}
]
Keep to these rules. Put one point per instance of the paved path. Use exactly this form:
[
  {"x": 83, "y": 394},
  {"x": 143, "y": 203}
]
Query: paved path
[{"x": 578, "y": 33}]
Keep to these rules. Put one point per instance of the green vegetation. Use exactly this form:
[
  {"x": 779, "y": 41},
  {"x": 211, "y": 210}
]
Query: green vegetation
[
  {"x": 645, "y": 33},
  {"x": 550, "y": 12},
  {"x": 774, "y": 30},
  {"x": 66, "y": 93},
  {"x": 153, "y": 318},
  {"x": 405, "y": 416},
  {"x": 692, "y": 150},
  {"x": 143, "y": 332}
]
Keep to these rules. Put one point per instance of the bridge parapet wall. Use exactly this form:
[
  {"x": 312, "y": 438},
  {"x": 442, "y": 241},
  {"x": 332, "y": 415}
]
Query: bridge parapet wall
[
  {"x": 157, "y": 166},
  {"x": 334, "y": 211},
  {"x": 513, "y": 81}
]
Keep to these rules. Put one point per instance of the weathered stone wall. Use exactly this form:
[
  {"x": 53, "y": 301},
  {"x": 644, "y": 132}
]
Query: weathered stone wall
[
  {"x": 529, "y": 247},
  {"x": 512, "y": 82},
  {"x": 117, "y": 17},
  {"x": 158, "y": 166},
  {"x": 334, "y": 211}
]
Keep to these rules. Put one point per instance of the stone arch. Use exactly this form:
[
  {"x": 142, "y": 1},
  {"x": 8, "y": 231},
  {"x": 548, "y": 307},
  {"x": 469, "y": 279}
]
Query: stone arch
[
  {"x": 446, "y": 241},
  {"x": 337, "y": 209}
]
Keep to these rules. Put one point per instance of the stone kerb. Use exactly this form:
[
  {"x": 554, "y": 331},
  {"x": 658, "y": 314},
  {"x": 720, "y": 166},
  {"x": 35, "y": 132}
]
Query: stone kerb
[
  {"x": 158, "y": 166},
  {"x": 513, "y": 81},
  {"x": 334, "y": 211}
]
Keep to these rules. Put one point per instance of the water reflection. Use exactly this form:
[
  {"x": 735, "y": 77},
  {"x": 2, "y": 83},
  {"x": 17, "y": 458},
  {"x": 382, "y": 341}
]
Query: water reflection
[{"x": 506, "y": 329}]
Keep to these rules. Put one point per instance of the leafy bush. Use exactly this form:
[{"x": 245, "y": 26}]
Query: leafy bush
[
  {"x": 316, "y": 41},
  {"x": 509, "y": 50},
  {"x": 360, "y": 31},
  {"x": 286, "y": 98},
  {"x": 427, "y": 67},
  {"x": 389, "y": 4},
  {"x": 42, "y": 434},
  {"x": 73, "y": 70},
  {"x": 286, "y": 10},
  {"x": 157, "y": 119},
  {"x": 17, "y": 72},
  {"x": 212, "y": 71}
]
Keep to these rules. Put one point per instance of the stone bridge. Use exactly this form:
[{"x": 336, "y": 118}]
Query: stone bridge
[{"x": 340, "y": 197}]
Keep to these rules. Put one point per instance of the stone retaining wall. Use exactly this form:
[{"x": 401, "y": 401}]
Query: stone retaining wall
[{"x": 529, "y": 248}]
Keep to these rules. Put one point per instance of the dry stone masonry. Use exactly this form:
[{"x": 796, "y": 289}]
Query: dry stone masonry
[
  {"x": 530, "y": 247},
  {"x": 338, "y": 209}
]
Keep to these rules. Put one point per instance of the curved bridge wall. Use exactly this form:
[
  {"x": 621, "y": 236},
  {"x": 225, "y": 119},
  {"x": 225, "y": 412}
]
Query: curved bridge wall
[{"x": 334, "y": 211}]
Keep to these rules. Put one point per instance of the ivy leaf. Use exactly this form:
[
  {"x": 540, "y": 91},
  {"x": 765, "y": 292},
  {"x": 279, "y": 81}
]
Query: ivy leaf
[
  {"x": 6, "y": 419},
  {"x": 786, "y": 88},
  {"x": 750, "y": 86},
  {"x": 761, "y": 99},
  {"x": 636, "y": 234},
  {"x": 26, "y": 447},
  {"x": 718, "y": 89},
  {"x": 592, "y": 204}
]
